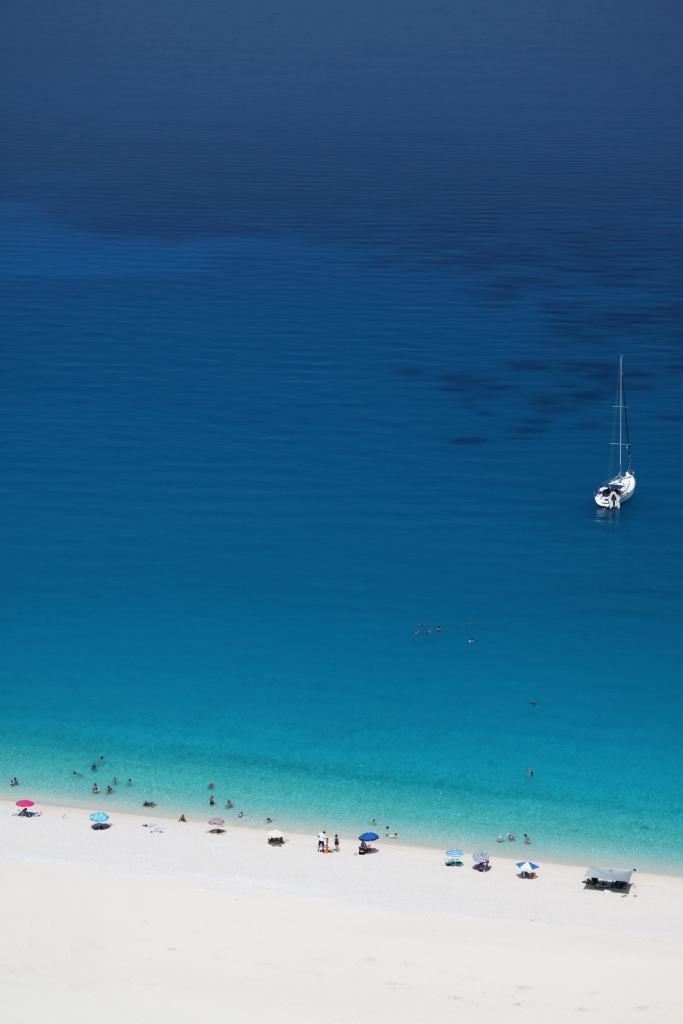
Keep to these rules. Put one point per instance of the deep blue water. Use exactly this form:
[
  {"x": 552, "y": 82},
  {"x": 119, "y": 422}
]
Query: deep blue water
[{"x": 273, "y": 394}]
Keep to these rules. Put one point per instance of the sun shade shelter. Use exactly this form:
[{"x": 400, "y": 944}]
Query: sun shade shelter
[{"x": 602, "y": 875}]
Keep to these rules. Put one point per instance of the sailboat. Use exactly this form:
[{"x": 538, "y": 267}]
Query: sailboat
[{"x": 620, "y": 487}]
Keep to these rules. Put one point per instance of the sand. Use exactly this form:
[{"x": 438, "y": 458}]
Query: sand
[{"x": 125, "y": 925}]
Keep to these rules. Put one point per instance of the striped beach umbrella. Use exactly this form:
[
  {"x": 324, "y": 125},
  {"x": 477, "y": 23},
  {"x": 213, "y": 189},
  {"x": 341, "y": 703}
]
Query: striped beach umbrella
[
  {"x": 216, "y": 821},
  {"x": 454, "y": 853},
  {"x": 480, "y": 857}
]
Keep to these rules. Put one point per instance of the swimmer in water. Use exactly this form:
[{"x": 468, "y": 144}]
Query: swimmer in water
[
  {"x": 241, "y": 814},
  {"x": 210, "y": 786},
  {"x": 526, "y": 838},
  {"x": 114, "y": 780},
  {"x": 468, "y": 623},
  {"x": 438, "y": 629},
  {"x": 94, "y": 788},
  {"x": 471, "y": 640},
  {"x": 500, "y": 839},
  {"x": 533, "y": 702},
  {"x": 416, "y": 631},
  {"x": 268, "y": 821},
  {"x": 80, "y": 775},
  {"x": 130, "y": 782},
  {"x": 229, "y": 803},
  {"x": 511, "y": 837},
  {"x": 211, "y": 800},
  {"x": 421, "y": 623},
  {"x": 428, "y": 632},
  {"x": 109, "y": 789}
]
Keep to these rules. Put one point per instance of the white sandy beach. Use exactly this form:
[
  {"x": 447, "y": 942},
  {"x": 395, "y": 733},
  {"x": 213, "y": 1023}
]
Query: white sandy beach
[{"x": 182, "y": 925}]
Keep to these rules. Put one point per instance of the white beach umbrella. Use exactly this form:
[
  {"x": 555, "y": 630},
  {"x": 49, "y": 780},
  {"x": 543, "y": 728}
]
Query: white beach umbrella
[{"x": 275, "y": 835}]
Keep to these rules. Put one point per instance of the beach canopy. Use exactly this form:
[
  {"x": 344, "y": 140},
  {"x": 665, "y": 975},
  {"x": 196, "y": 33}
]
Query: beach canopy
[
  {"x": 368, "y": 837},
  {"x": 527, "y": 865},
  {"x": 454, "y": 853},
  {"x": 611, "y": 874},
  {"x": 275, "y": 835},
  {"x": 216, "y": 821},
  {"x": 99, "y": 816},
  {"x": 480, "y": 857},
  {"x": 24, "y": 803}
]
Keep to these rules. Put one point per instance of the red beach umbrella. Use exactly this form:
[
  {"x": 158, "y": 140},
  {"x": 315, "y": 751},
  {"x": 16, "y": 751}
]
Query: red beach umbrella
[{"x": 24, "y": 803}]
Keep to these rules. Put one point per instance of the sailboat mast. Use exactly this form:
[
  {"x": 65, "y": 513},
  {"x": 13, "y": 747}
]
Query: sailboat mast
[{"x": 621, "y": 407}]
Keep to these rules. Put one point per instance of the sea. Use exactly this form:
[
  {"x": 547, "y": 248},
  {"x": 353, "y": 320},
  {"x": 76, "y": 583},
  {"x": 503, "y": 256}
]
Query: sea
[{"x": 310, "y": 340}]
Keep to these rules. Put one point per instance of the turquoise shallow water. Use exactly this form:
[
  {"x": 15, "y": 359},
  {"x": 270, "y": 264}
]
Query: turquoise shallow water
[
  {"x": 310, "y": 334},
  {"x": 230, "y": 496}
]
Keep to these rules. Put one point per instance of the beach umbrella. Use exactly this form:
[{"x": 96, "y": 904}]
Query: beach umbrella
[
  {"x": 24, "y": 803},
  {"x": 454, "y": 853},
  {"x": 480, "y": 857},
  {"x": 368, "y": 837},
  {"x": 216, "y": 821},
  {"x": 99, "y": 816},
  {"x": 527, "y": 865},
  {"x": 275, "y": 835}
]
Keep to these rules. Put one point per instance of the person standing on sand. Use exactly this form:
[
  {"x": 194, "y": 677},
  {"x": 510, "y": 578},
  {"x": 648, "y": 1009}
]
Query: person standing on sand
[
  {"x": 336, "y": 843},
  {"x": 321, "y": 842}
]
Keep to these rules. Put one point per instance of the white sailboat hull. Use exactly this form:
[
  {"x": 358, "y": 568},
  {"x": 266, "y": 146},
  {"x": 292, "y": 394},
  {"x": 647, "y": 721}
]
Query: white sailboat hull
[{"x": 616, "y": 491}]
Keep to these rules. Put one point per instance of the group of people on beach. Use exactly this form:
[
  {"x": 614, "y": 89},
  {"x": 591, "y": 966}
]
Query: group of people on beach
[
  {"x": 512, "y": 838},
  {"x": 324, "y": 842}
]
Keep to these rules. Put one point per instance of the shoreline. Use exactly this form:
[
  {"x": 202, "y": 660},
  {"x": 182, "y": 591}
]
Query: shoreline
[
  {"x": 508, "y": 851},
  {"x": 501, "y": 855}
]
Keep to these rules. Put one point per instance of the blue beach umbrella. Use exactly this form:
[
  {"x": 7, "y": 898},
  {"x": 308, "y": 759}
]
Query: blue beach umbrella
[
  {"x": 454, "y": 853},
  {"x": 527, "y": 865},
  {"x": 368, "y": 837},
  {"x": 99, "y": 816}
]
